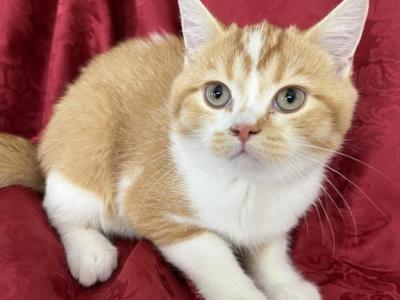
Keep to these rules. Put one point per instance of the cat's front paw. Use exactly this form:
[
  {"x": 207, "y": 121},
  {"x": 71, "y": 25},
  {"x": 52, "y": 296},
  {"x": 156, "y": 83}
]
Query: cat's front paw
[
  {"x": 301, "y": 290},
  {"x": 91, "y": 258}
]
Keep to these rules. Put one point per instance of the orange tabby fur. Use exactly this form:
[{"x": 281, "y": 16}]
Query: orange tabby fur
[
  {"x": 18, "y": 163},
  {"x": 96, "y": 133},
  {"x": 136, "y": 148},
  {"x": 101, "y": 121}
]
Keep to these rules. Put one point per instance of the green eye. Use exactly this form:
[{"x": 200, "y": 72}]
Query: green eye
[
  {"x": 290, "y": 99},
  {"x": 217, "y": 95}
]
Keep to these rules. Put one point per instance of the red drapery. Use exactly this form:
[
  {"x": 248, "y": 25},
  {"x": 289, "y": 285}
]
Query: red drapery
[{"x": 352, "y": 255}]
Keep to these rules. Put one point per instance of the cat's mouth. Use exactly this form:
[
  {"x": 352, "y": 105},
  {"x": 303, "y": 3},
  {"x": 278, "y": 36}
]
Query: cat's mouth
[
  {"x": 241, "y": 152},
  {"x": 244, "y": 153}
]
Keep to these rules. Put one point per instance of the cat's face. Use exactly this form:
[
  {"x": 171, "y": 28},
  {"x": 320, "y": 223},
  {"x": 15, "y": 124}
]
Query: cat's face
[{"x": 261, "y": 96}]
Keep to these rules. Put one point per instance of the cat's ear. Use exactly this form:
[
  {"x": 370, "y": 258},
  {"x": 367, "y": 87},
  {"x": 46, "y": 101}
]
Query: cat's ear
[
  {"x": 340, "y": 32},
  {"x": 198, "y": 25}
]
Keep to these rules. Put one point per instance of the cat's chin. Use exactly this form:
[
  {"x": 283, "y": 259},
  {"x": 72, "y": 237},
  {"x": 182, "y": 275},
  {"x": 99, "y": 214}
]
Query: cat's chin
[{"x": 245, "y": 159}]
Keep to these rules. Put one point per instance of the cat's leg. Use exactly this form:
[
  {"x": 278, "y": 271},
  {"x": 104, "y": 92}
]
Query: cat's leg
[
  {"x": 77, "y": 214},
  {"x": 210, "y": 263},
  {"x": 272, "y": 269}
]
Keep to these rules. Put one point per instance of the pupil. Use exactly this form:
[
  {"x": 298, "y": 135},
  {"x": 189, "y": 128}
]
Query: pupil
[
  {"x": 290, "y": 95},
  {"x": 217, "y": 92}
]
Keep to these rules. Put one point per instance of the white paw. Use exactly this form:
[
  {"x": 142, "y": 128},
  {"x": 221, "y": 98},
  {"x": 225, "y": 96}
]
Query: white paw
[
  {"x": 251, "y": 295},
  {"x": 90, "y": 256},
  {"x": 301, "y": 290}
]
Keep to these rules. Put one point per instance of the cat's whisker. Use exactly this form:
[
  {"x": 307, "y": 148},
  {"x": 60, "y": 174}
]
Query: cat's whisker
[
  {"x": 167, "y": 188},
  {"x": 325, "y": 212},
  {"x": 168, "y": 165},
  {"x": 295, "y": 169},
  {"x": 330, "y": 226},
  {"x": 348, "y": 156},
  {"x": 147, "y": 157},
  {"x": 351, "y": 145},
  {"x": 299, "y": 175},
  {"x": 320, "y": 222},
  {"x": 334, "y": 203},
  {"x": 349, "y": 181},
  {"x": 347, "y": 207},
  {"x": 166, "y": 152},
  {"x": 153, "y": 140},
  {"x": 169, "y": 168},
  {"x": 331, "y": 199},
  {"x": 157, "y": 156},
  {"x": 306, "y": 221},
  {"x": 161, "y": 138}
]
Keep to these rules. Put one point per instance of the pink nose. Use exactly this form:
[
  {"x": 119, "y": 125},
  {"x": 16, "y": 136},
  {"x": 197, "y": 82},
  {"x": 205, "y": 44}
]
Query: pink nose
[{"x": 244, "y": 131}]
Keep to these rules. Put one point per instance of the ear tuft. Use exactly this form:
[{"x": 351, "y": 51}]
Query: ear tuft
[
  {"x": 340, "y": 32},
  {"x": 198, "y": 25}
]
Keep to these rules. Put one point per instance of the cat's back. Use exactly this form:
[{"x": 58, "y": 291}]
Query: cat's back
[
  {"x": 118, "y": 92},
  {"x": 135, "y": 73},
  {"x": 134, "y": 69}
]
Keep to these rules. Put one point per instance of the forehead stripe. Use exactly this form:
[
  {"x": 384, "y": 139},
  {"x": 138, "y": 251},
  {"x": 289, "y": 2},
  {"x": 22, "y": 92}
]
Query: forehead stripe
[{"x": 254, "y": 44}]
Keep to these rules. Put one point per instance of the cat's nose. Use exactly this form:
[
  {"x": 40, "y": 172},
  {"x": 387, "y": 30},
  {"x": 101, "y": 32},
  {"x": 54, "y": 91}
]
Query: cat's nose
[{"x": 244, "y": 131}]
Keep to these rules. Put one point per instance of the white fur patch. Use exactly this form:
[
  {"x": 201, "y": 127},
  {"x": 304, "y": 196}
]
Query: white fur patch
[
  {"x": 210, "y": 263},
  {"x": 255, "y": 106},
  {"x": 159, "y": 37},
  {"x": 79, "y": 216},
  {"x": 250, "y": 103},
  {"x": 247, "y": 206},
  {"x": 90, "y": 256},
  {"x": 253, "y": 46},
  {"x": 124, "y": 184},
  {"x": 69, "y": 205},
  {"x": 272, "y": 270}
]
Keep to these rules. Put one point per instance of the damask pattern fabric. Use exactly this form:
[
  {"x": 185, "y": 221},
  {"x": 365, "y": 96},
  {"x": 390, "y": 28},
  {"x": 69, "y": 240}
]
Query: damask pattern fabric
[{"x": 348, "y": 243}]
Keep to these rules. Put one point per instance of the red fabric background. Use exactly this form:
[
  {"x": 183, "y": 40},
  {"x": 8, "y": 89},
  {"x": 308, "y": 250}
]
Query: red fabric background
[{"x": 43, "y": 45}]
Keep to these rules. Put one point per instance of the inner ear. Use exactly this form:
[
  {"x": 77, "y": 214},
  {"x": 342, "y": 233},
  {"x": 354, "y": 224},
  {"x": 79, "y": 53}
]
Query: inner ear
[
  {"x": 198, "y": 25},
  {"x": 340, "y": 32}
]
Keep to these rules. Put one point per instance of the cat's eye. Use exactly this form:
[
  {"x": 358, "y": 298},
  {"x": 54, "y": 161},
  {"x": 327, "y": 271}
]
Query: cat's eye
[
  {"x": 217, "y": 95},
  {"x": 290, "y": 99}
]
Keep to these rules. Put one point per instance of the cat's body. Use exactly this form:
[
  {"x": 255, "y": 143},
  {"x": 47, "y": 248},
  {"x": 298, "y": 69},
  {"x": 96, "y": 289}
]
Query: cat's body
[
  {"x": 106, "y": 159},
  {"x": 140, "y": 147}
]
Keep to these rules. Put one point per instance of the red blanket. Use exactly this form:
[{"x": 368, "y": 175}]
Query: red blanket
[{"x": 349, "y": 244}]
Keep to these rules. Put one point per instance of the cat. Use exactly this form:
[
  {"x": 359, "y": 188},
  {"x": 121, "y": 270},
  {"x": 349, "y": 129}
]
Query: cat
[{"x": 203, "y": 145}]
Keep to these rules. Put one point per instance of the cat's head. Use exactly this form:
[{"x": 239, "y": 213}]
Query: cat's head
[{"x": 261, "y": 96}]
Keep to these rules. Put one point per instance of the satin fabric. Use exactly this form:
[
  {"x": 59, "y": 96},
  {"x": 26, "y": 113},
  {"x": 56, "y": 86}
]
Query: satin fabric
[{"x": 348, "y": 243}]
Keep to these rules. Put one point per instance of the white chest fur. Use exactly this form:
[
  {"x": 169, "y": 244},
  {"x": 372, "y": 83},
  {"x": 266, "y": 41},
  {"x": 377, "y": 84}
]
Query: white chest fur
[{"x": 246, "y": 211}]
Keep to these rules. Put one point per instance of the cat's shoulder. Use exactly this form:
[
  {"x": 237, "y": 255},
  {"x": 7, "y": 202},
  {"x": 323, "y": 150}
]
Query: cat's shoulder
[{"x": 143, "y": 51}]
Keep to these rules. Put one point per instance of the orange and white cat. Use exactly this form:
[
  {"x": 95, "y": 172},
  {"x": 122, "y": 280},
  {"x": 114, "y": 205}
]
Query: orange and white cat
[{"x": 203, "y": 146}]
